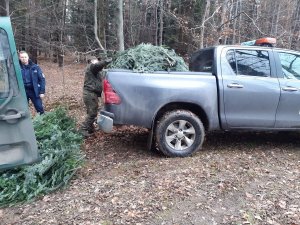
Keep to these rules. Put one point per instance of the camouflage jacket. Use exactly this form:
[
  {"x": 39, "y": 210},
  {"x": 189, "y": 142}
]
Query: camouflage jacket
[{"x": 92, "y": 78}]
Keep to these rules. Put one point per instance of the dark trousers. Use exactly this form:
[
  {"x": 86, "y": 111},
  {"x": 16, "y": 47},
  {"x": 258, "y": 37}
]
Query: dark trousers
[
  {"x": 90, "y": 100},
  {"x": 37, "y": 101}
]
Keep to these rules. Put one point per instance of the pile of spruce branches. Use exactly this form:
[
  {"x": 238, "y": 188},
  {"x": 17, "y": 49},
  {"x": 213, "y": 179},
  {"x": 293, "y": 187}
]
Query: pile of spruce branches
[
  {"x": 59, "y": 144},
  {"x": 149, "y": 58}
]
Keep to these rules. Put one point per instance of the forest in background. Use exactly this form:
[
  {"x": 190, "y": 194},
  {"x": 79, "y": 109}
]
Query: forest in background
[{"x": 56, "y": 28}]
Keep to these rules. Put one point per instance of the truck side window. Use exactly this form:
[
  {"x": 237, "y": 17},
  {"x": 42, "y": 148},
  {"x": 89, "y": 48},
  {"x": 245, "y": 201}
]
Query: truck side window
[
  {"x": 7, "y": 71},
  {"x": 231, "y": 60},
  {"x": 202, "y": 61},
  {"x": 249, "y": 62},
  {"x": 290, "y": 64}
]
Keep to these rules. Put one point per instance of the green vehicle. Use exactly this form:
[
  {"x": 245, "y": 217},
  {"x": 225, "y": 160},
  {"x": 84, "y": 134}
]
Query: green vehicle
[{"x": 17, "y": 139}]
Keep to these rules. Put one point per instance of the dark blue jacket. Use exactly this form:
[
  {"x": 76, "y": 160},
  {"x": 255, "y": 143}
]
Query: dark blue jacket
[{"x": 37, "y": 78}]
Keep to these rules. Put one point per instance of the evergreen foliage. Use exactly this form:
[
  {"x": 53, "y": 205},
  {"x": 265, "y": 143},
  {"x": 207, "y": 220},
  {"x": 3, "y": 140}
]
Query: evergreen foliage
[
  {"x": 59, "y": 145},
  {"x": 149, "y": 58}
]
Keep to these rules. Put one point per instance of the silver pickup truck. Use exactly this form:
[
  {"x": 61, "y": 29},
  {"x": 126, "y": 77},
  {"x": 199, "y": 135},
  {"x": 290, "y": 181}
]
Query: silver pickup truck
[{"x": 227, "y": 88}]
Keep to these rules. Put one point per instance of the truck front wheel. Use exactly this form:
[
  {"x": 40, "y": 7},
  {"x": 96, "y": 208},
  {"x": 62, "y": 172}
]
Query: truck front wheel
[{"x": 179, "y": 133}]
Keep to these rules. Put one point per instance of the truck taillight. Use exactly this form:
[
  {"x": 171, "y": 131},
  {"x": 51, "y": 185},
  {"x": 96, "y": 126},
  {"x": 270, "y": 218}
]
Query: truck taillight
[{"x": 110, "y": 96}]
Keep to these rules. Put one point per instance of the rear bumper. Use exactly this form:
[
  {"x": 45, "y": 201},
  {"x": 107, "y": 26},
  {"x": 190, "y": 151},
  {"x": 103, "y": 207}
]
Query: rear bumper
[{"x": 105, "y": 121}]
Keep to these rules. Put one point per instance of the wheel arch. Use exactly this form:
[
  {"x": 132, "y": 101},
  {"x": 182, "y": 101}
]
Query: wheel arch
[{"x": 196, "y": 109}]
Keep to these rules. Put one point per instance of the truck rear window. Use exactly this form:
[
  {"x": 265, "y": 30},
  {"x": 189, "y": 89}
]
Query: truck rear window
[
  {"x": 202, "y": 61},
  {"x": 4, "y": 84},
  {"x": 7, "y": 71}
]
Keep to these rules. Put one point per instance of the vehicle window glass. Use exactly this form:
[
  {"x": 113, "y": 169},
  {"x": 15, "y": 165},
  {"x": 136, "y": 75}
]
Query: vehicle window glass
[
  {"x": 290, "y": 64},
  {"x": 7, "y": 72},
  {"x": 249, "y": 62},
  {"x": 4, "y": 88},
  {"x": 231, "y": 60},
  {"x": 202, "y": 61}
]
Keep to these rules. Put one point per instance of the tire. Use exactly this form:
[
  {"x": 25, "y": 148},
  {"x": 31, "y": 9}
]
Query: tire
[{"x": 179, "y": 133}]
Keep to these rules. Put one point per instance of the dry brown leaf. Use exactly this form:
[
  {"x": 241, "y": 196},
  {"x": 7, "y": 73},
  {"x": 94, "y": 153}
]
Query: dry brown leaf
[
  {"x": 248, "y": 195},
  {"x": 282, "y": 204}
]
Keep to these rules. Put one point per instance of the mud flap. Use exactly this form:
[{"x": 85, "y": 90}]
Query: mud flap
[{"x": 105, "y": 121}]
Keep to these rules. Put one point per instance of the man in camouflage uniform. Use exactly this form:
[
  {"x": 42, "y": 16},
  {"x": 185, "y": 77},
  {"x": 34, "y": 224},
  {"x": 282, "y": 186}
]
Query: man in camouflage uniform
[{"x": 91, "y": 91}]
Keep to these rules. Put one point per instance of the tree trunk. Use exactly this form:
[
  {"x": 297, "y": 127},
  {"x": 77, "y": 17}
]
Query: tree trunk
[
  {"x": 235, "y": 24},
  {"x": 240, "y": 21},
  {"x": 131, "y": 35},
  {"x": 161, "y": 22},
  {"x": 202, "y": 28},
  {"x": 96, "y": 25},
  {"x": 27, "y": 40},
  {"x": 120, "y": 32},
  {"x": 32, "y": 48},
  {"x": 60, "y": 54},
  {"x": 295, "y": 28},
  {"x": 223, "y": 19},
  {"x": 276, "y": 14},
  {"x": 156, "y": 22},
  {"x": 4, "y": 7}
]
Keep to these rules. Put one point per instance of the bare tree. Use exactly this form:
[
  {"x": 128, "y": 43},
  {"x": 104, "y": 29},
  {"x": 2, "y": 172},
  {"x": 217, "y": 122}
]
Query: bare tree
[
  {"x": 161, "y": 21},
  {"x": 4, "y": 7},
  {"x": 120, "y": 32},
  {"x": 294, "y": 43},
  {"x": 96, "y": 25},
  {"x": 32, "y": 33},
  {"x": 68, "y": 26},
  {"x": 102, "y": 12},
  {"x": 204, "y": 19},
  {"x": 235, "y": 7}
]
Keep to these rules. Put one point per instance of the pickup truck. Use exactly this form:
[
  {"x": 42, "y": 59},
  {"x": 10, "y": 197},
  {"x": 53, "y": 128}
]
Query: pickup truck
[{"x": 227, "y": 88}]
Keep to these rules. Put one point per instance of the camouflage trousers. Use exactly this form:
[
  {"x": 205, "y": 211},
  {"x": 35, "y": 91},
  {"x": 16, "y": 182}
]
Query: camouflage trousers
[{"x": 91, "y": 102}]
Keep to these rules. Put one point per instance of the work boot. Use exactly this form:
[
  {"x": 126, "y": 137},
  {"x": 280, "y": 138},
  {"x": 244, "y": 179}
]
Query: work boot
[{"x": 86, "y": 134}]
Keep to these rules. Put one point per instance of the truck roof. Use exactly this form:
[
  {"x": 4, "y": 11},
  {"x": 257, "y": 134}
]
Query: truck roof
[{"x": 246, "y": 47}]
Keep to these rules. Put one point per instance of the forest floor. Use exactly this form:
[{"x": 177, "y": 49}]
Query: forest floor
[{"x": 238, "y": 178}]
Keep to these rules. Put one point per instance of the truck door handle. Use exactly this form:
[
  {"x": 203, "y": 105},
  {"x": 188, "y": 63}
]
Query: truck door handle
[
  {"x": 11, "y": 117},
  {"x": 289, "y": 88},
  {"x": 235, "y": 85}
]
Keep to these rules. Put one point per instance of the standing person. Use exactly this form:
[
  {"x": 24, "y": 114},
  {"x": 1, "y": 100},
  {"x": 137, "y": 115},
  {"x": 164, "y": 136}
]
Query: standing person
[
  {"x": 92, "y": 89},
  {"x": 34, "y": 81}
]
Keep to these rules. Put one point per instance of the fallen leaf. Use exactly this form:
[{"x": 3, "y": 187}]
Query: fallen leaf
[
  {"x": 114, "y": 200},
  {"x": 258, "y": 217},
  {"x": 282, "y": 204},
  {"x": 248, "y": 195}
]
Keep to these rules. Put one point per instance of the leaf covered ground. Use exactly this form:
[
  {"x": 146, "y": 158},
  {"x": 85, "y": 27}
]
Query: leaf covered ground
[{"x": 238, "y": 178}]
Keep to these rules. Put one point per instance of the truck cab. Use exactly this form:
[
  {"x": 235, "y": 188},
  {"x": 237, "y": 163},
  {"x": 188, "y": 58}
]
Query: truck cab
[{"x": 17, "y": 138}]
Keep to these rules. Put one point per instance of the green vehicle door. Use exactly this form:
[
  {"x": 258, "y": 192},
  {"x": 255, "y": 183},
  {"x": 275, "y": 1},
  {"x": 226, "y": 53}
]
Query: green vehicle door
[{"x": 17, "y": 139}]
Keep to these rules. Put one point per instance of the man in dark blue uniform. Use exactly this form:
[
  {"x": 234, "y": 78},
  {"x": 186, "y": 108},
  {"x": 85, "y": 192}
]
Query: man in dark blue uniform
[{"x": 34, "y": 81}]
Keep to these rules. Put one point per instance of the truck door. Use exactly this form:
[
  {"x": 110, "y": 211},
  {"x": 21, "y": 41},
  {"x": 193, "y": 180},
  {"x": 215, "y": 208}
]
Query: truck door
[
  {"x": 288, "y": 113},
  {"x": 17, "y": 139},
  {"x": 250, "y": 88}
]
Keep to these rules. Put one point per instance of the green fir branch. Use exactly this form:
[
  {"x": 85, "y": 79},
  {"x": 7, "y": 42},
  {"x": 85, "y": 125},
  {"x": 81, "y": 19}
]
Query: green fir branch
[{"x": 61, "y": 157}]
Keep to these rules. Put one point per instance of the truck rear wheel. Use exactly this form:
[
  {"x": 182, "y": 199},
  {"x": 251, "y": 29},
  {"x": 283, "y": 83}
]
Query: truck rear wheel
[{"x": 179, "y": 133}]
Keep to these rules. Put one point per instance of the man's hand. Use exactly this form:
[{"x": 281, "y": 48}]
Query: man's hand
[
  {"x": 42, "y": 95},
  {"x": 94, "y": 61}
]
